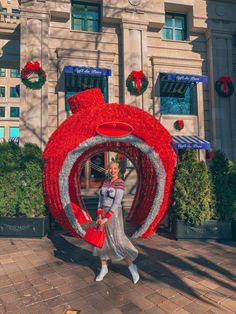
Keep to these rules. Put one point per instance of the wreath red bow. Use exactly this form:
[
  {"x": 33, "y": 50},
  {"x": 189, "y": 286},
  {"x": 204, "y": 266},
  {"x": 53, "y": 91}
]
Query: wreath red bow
[{"x": 228, "y": 88}]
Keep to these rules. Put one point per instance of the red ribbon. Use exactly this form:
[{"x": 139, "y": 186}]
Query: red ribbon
[
  {"x": 137, "y": 75},
  {"x": 180, "y": 124},
  {"x": 31, "y": 67},
  {"x": 225, "y": 80},
  {"x": 211, "y": 155}
]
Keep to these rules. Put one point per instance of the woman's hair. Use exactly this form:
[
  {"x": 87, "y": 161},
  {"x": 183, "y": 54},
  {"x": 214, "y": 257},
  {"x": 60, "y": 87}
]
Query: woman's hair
[{"x": 113, "y": 162}]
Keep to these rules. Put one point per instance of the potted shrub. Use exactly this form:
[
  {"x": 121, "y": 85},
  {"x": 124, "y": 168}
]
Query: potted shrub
[
  {"x": 193, "y": 203},
  {"x": 223, "y": 173},
  {"x": 22, "y": 208}
]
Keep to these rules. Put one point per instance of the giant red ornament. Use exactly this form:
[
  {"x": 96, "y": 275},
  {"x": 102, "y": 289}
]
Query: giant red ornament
[{"x": 96, "y": 127}]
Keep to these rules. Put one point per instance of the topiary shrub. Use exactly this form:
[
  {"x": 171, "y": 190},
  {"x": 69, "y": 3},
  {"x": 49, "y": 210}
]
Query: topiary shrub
[
  {"x": 223, "y": 173},
  {"x": 10, "y": 158},
  {"x": 31, "y": 201},
  {"x": 32, "y": 153},
  {"x": 21, "y": 170},
  {"x": 9, "y": 194},
  {"x": 193, "y": 200}
]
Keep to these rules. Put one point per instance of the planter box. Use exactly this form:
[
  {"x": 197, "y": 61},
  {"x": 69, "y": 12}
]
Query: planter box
[
  {"x": 212, "y": 229},
  {"x": 234, "y": 229},
  {"x": 24, "y": 227}
]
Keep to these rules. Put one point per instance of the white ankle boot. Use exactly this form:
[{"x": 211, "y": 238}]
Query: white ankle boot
[
  {"x": 134, "y": 272},
  {"x": 103, "y": 273}
]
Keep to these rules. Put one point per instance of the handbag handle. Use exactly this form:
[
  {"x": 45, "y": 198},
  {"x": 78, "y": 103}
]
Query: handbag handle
[{"x": 100, "y": 227}]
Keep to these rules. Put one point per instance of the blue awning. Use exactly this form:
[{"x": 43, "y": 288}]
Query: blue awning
[
  {"x": 87, "y": 71},
  {"x": 190, "y": 142},
  {"x": 175, "y": 84},
  {"x": 189, "y": 78},
  {"x": 13, "y": 139}
]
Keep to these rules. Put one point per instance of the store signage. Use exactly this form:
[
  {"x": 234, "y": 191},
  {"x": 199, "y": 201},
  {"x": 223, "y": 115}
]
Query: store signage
[
  {"x": 87, "y": 71},
  {"x": 190, "y": 142},
  {"x": 187, "y": 78},
  {"x": 191, "y": 146}
]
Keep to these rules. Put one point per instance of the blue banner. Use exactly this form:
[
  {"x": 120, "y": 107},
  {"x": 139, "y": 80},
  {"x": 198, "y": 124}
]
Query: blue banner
[
  {"x": 87, "y": 71},
  {"x": 190, "y": 142},
  {"x": 191, "y": 78}
]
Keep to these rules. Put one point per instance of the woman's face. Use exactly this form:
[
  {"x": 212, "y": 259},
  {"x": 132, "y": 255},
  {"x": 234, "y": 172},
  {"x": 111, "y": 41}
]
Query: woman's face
[{"x": 114, "y": 170}]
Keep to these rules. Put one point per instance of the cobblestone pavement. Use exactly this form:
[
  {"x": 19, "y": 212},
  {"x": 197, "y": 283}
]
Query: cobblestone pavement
[{"x": 53, "y": 274}]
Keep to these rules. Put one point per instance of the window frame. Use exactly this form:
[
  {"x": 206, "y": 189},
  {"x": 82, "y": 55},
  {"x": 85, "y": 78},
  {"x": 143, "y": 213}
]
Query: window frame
[
  {"x": 4, "y": 111},
  {"x": 4, "y": 91},
  {"x": 17, "y": 11},
  {"x": 12, "y": 116},
  {"x": 185, "y": 29},
  {"x": 11, "y": 73},
  {"x": 3, "y": 128},
  {"x": 82, "y": 78},
  {"x": 14, "y": 127},
  {"x": 10, "y": 92},
  {"x": 5, "y": 72},
  {"x": 195, "y": 95},
  {"x": 98, "y": 5}
]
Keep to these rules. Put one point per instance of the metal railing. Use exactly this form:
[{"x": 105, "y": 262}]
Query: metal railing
[
  {"x": 97, "y": 168},
  {"x": 9, "y": 18}
]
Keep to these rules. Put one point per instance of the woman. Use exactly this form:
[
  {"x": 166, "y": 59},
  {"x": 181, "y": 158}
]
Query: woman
[{"x": 117, "y": 246}]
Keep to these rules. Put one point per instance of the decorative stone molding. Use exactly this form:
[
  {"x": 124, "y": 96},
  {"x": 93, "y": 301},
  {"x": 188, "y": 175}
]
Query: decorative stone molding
[
  {"x": 83, "y": 54},
  {"x": 182, "y": 63}
]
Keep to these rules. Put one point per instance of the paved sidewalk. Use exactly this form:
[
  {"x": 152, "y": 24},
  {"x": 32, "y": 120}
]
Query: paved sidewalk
[{"x": 53, "y": 274}]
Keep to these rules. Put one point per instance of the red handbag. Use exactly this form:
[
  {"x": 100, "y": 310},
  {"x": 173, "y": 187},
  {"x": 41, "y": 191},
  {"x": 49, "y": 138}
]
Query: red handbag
[{"x": 95, "y": 236}]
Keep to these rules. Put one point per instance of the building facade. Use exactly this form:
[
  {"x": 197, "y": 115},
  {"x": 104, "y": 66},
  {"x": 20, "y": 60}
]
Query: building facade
[
  {"x": 74, "y": 39},
  {"x": 9, "y": 71}
]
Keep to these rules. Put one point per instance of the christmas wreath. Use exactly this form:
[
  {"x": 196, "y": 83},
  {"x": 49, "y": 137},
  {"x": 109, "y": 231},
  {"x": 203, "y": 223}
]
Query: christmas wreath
[
  {"x": 137, "y": 83},
  {"x": 227, "y": 84},
  {"x": 30, "y": 68},
  {"x": 179, "y": 125}
]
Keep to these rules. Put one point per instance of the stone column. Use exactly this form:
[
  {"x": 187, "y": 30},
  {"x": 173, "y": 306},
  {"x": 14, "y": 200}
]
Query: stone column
[
  {"x": 223, "y": 111},
  {"x": 134, "y": 41},
  {"x": 34, "y": 46}
]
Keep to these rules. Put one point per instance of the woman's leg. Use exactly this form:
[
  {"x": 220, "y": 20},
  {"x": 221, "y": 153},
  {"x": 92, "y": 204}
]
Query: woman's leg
[
  {"x": 104, "y": 270},
  {"x": 133, "y": 270}
]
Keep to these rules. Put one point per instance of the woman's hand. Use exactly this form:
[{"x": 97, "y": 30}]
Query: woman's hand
[
  {"x": 99, "y": 219},
  {"x": 103, "y": 221}
]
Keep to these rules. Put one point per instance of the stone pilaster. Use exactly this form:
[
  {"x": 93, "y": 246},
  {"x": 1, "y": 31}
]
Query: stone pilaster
[
  {"x": 34, "y": 46},
  {"x": 134, "y": 34},
  {"x": 223, "y": 112}
]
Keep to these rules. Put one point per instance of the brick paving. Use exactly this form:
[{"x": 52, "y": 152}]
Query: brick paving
[{"x": 57, "y": 273}]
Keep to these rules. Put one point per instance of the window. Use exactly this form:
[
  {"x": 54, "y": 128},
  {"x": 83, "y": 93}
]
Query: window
[
  {"x": 2, "y": 91},
  {"x": 175, "y": 27},
  {"x": 85, "y": 16},
  {"x": 3, "y": 9},
  {"x": 2, "y": 72},
  {"x": 14, "y": 92},
  {"x": 177, "y": 97},
  {"x": 2, "y": 132},
  {"x": 14, "y": 112},
  {"x": 2, "y": 112},
  {"x": 75, "y": 83},
  {"x": 14, "y": 73},
  {"x": 14, "y": 132},
  {"x": 15, "y": 11}
]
